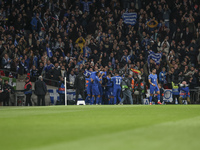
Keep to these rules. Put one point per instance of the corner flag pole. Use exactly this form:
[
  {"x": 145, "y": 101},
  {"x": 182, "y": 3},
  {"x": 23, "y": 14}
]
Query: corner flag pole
[{"x": 65, "y": 92}]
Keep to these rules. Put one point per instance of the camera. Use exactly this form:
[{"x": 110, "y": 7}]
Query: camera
[{"x": 183, "y": 85}]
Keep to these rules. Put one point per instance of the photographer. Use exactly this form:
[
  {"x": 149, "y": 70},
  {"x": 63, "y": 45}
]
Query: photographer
[
  {"x": 184, "y": 93},
  {"x": 139, "y": 90},
  {"x": 126, "y": 89},
  {"x": 175, "y": 91}
]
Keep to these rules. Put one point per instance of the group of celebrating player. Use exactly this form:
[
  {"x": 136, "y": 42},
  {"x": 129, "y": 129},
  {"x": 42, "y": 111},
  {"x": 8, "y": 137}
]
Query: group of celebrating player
[{"x": 102, "y": 84}]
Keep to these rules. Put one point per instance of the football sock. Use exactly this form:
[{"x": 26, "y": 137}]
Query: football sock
[
  {"x": 100, "y": 99},
  {"x": 97, "y": 100},
  {"x": 115, "y": 100},
  {"x": 111, "y": 100},
  {"x": 92, "y": 101},
  {"x": 150, "y": 99},
  {"x": 158, "y": 97},
  {"x": 119, "y": 99},
  {"x": 87, "y": 99}
]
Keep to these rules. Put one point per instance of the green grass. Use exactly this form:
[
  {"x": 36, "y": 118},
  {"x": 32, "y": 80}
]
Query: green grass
[{"x": 166, "y": 127}]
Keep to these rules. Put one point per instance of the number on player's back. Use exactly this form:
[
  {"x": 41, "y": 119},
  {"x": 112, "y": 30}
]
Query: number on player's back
[{"x": 118, "y": 81}]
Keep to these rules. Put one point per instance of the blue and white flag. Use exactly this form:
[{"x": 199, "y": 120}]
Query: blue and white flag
[
  {"x": 87, "y": 73},
  {"x": 155, "y": 56},
  {"x": 129, "y": 18},
  {"x": 15, "y": 43},
  {"x": 54, "y": 96},
  {"x": 49, "y": 52}
]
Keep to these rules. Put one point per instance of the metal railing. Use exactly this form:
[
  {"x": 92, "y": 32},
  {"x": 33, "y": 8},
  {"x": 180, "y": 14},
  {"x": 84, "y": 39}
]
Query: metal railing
[{"x": 13, "y": 74}]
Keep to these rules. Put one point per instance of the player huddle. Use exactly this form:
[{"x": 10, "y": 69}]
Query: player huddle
[
  {"x": 101, "y": 83},
  {"x": 104, "y": 84}
]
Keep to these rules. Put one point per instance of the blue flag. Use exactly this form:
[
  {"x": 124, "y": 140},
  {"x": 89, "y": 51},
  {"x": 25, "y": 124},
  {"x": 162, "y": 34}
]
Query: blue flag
[
  {"x": 49, "y": 52},
  {"x": 15, "y": 43},
  {"x": 155, "y": 56},
  {"x": 129, "y": 18},
  {"x": 54, "y": 96}
]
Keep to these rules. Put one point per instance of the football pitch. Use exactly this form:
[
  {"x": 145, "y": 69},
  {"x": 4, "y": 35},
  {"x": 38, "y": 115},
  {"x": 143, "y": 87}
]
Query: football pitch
[{"x": 138, "y": 127}]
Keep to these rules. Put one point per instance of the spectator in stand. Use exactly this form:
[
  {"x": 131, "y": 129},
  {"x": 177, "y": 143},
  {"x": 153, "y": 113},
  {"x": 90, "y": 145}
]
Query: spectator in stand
[
  {"x": 55, "y": 73},
  {"x": 162, "y": 76},
  {"x": 6, "y": 63},
  {"x": 34, "y": 73}
]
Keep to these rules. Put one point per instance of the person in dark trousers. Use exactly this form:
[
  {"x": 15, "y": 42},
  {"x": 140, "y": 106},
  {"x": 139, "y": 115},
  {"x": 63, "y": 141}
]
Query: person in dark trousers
[
  {"x": 126, "y": 90},
  {"x": 79, "y": 85},
  {"x": 40, "y": 90},
  {"x": 1, "y": 91},
  {"x": 28, "y": 91},
  {"x": 6, "y": 92},
  {"x": 61, "y": 91}
]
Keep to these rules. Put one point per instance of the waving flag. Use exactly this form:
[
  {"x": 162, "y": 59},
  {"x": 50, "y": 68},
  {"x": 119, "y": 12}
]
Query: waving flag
[
  {"x": 155, "y": 56},
  {"x": 129, "y": 18},
  {"x": 15, "y": 43},
  {"x": 136, "y": 71},
  {"x": 49, "y": 52}
]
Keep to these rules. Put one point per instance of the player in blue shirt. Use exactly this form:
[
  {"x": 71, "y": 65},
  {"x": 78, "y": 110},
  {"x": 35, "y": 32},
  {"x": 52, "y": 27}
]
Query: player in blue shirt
[
  {"x": 116, "y": 87},
  {"x": 109, "y": 89},
  {"x": 101, "y": 86},
  {"x": 153, "y": 81},
  {"x": 95, "y": 88},
  {"x": 89, "y": 89},
  {"x": 93, "y": 73}
]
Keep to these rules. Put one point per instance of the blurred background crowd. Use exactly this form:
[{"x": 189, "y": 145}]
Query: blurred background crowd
[{"x": 57, "y": 38}]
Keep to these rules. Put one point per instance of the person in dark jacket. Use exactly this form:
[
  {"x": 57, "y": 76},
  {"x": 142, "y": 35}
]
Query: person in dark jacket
[
  {"x": 6, "y": 91},
  {"x": 55, "y": 73},
  {"x": 1, "y": 91},
  {"x": 28, "y": 91},
  {"x": 126, "y": 89},
  {"x": 79, "y": 85},
  {"x": 40, "y": 90},
  {"x": 61, "y": 91}
]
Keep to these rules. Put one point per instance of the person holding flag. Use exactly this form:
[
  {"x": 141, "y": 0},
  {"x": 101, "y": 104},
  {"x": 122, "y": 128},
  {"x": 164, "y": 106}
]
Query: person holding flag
[{"x": 49, "y": 52}]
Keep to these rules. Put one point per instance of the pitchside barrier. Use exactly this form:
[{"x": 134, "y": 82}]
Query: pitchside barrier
[
  {"x": 71, "y": 96},
  {"x": 54, "y": 95},
  {"x": 167, "y": 98}
]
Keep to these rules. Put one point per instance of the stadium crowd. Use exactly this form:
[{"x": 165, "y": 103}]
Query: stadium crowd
[{"x": 57, "y": 38}]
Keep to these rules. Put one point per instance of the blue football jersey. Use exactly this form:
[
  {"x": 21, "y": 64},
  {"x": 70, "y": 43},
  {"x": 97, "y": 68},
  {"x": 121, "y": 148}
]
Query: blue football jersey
[
  {"x": 153, "y": 78},
  {"x": 88, "y": 82},
  {"x": 96, "y": 81},
  {"x": 105, "y": 74},
  {"x": 116, "y": 81},
  {"x": 109, "y": 85},
  {"x": 93, "y": 75}
]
